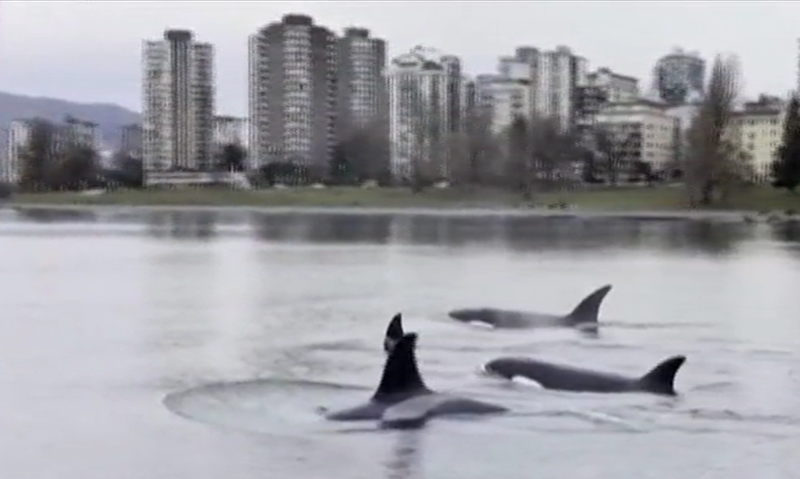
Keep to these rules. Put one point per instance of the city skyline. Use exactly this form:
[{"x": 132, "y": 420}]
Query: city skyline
[{"x": 29, "y": 64}]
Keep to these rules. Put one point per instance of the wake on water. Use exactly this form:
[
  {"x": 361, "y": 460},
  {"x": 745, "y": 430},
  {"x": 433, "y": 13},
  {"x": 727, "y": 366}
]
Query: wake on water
[{"x": 294, "y": 407}]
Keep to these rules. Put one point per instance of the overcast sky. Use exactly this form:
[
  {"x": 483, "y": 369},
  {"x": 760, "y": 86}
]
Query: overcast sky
[{"x": 90, "y": 50}]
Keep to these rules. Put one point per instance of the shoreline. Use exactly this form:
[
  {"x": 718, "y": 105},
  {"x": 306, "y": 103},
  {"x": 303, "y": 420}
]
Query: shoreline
[{"x": 467, "y": 211}]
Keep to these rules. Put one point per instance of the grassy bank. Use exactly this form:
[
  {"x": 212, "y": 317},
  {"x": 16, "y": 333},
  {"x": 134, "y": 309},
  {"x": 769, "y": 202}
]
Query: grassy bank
[{"x": 609, "y": 199}]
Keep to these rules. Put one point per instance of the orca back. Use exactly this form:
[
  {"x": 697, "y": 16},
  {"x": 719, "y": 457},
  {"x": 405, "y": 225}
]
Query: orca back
[
  {"x": 661, "y": 379},
  {"x": 588, "y": 310}
]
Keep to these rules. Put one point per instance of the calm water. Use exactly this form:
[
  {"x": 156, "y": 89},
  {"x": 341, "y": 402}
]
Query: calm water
[{"x": 156, "y": 345}]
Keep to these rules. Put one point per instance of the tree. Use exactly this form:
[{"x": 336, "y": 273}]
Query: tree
[
  {"x": 519, "y": 167},
  {"x": 38, "y": 155},
  {"x": 643, "y": 170},
  {"x": 712, "y": 162},
  {"x": 340, "y": 170},
  {"x": 553, "y": 149},
  {"x": 127, "y": 171},
  {"x": 539, "y": 150},
  {"x": 785, "y": 168},
  {"x": 231, "y": 157},
  {"x": 589, "y": 173},
  {"x": 422, "y": 136},
  {"x": 612, "y": 149},
  {"x": 473, "y": 151},
  {"x": 284, "y": 172},
  {"x": 6, "y": 191},
  {"x": 77, "y": 169},
  {"x": 362, "y": 155}
]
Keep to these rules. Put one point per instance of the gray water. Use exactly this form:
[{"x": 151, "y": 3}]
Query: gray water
[{"x": 157, "y": 345}]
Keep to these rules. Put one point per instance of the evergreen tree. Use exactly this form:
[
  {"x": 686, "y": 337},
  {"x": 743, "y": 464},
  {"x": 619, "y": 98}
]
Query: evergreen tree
[
  {"x": 339, "y": 167},
  {"x": 77, "y": 169},
  {"x": 786, "y": 166},
  {"x": 232, "y": 157}
]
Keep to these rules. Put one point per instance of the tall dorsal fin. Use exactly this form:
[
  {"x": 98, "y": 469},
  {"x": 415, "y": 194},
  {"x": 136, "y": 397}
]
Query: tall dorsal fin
[
  {"x": 394, "y": 332},
  {"x": 400, "y": 372},
  {"x": 661, "y": 379},
  {"x": 588, "y": 309}
]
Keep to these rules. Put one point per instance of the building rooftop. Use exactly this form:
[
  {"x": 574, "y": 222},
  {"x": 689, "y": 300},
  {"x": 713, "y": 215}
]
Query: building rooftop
[{"x": 421, "y": 58}]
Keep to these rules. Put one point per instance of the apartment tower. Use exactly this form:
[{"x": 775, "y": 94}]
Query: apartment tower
[
  {"x": 178, "y": 103},
  {"x": 679, "y": 77},
  {"x": 421, "y": 111},
  {"x": 361, "y": 61},
  {"x": 293, "y": 93},
  {"x": 541, "y": 83}
]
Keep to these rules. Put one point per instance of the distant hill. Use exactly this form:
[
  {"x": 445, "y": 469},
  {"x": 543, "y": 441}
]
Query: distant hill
[{"x": 108, "y": 116}]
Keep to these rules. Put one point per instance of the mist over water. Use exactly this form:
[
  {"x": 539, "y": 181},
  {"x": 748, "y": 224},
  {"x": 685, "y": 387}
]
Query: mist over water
[{"x": 179, "y": 344}]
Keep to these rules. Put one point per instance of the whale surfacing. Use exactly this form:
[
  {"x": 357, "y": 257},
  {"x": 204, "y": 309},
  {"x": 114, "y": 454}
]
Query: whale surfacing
[
  {"x": 402, "y": 399},
  {"x": 585, "y": 315},
  {"x": 659, "y": 380}
]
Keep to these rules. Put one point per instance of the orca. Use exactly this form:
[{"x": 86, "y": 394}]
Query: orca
[
  {"x": 584, "y": 316},
  {"x": 402, "y": 399},
  {"x": 394, "y": 332},
  {"x": 659, "y": 380}
]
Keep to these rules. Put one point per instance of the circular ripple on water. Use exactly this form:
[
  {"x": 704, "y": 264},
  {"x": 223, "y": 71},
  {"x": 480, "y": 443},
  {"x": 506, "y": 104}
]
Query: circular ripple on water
[{"x": 266, "y": 406}]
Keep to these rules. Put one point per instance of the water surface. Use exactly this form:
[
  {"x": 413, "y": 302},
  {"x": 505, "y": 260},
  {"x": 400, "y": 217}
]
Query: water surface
[{"x": 156, "y": 344}]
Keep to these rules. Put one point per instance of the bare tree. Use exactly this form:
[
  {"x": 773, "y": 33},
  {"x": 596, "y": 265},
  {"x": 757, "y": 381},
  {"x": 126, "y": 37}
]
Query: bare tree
[
  {"x": 422, "y": 136},
  {"x": 457, "y": 146},
  {"x": 539, "y": 150},
  {"x": 472, "y": 153},
  {"x": 712, "y": 162},
  {"x": 519, "y": 165},
  {"x": 553, "y": 150},
  {"x": 612, "y": 149}
]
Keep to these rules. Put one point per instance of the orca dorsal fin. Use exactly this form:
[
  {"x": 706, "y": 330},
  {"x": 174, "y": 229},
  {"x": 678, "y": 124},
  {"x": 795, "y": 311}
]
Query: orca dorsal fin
[
  {"x": 661, "y": 379},
  {"x": 587, "y": 310},
  {"x": 400, "y": 372},
  {"x": 394, "y": 332}
]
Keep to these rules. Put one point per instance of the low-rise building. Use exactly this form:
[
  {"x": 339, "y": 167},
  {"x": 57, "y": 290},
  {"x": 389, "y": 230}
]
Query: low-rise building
[
  {"x": 643, "y": 130},
  {"x": 507, "y": 99},
  {"x": 757, "y": 130},
  {"x": 230, "y": 129}
]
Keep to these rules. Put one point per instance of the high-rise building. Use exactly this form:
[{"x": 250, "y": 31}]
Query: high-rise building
[
  {"x": 602, "y": 87},
  {"x": 293, "y": 93},
  {"x": 679, "y": 77},
  {"x": 551, "y": 79},
  {"x": 421, "y": 109},
  {"x": 19, "y": 134},
  {"x": 361, "y": 61},
  {"x": 178, "y": 102},
  {"x": 617, "y": 88},
  {"x": 131, "y": 143}
]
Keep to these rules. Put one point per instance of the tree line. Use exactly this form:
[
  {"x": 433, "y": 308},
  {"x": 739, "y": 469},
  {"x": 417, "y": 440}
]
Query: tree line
[
  {"x": 52, "y": 159},
  {"x": 538, "y": 154},
  {"x": 530, "y": 155}
]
